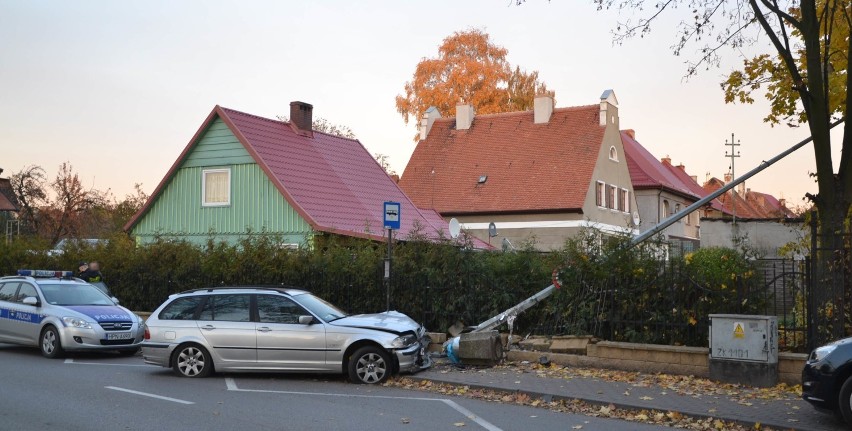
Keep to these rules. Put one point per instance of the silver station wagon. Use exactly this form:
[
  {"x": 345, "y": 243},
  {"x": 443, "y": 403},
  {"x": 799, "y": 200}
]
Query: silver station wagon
[
  {"x": 279, "y": 329},
  {"x": 59, "y": 313}
]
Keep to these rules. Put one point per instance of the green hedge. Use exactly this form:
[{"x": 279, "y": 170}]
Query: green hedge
[{"x": 610, "y": 290}]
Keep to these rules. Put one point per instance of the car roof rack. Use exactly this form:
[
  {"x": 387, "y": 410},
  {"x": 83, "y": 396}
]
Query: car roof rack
[{"x": 276, "y": 288}]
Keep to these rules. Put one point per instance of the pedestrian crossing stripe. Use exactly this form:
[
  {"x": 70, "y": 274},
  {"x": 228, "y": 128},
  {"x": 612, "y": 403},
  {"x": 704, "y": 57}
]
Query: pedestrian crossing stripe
[{"x": 738, "y": 330}]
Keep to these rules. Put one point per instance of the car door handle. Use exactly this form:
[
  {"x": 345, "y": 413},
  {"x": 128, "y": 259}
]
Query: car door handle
[
  {"x": 208, "y": 327},
  {"x": 263, "y": 329}
]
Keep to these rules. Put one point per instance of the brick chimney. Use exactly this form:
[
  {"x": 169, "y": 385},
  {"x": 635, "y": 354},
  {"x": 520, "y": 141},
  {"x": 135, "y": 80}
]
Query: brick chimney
[
  {"x": 666, "y": 160},
  {"x": 301, "y": 116},
  {"x": 681, "y": 167},
  {"x": 631, "y": 133},
  {"x": 542, "y": 109},
  {"x": 728, "y": 177},
  {"x": 464, "y": 116}
]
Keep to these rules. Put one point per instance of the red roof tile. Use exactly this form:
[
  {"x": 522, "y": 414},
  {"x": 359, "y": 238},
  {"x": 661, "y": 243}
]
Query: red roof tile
[
  {"x": 529, "y": 167},
  {"x": 751, "y": 204},
  {"x": 333, "y": 182},
  {"x": 646, "y": 171}
]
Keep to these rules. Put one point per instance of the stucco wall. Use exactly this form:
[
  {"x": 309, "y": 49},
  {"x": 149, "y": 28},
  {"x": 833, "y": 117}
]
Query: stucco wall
[
  {"x": 650, "y": 203},
  {"x": 765, "y": 236}
]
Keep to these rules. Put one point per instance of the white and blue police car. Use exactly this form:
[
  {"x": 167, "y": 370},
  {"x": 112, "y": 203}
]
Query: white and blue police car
[{"x": 59, "y": 313}]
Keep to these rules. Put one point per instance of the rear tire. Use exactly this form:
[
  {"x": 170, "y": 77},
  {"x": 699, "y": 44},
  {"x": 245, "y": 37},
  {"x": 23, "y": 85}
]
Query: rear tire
[
  {"x": 192, "y": 360},
  {"x": 369, "y": 365},
  {"x": 844, "y": 401},
  {"x": 50, "y": 343}
]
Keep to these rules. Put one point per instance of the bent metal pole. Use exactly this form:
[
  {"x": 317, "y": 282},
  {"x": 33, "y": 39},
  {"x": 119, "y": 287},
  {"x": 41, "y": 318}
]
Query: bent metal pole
[{"x": 705, "y": 200}]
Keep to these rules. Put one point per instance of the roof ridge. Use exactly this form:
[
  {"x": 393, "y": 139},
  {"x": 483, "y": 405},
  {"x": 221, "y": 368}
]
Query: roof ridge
[
  {"x": 287, "y": 123},
  {"x": 527, "y": 112}
]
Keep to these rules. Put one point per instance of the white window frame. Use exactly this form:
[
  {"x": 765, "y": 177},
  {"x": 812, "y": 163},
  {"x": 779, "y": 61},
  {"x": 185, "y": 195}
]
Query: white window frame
[
  {"x": 612, "y": 195},
  {"x": 612, "y": 150},
  {"x": 625, "y": 204},
  {"x": 600, "y": 194},
  {"x": 204, "y": 173}
]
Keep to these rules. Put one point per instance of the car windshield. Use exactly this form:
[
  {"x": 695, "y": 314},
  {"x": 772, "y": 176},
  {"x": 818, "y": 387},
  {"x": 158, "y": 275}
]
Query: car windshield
[
  {"x": 320, "y": 307},
  {"x": 74, "y": 294}
]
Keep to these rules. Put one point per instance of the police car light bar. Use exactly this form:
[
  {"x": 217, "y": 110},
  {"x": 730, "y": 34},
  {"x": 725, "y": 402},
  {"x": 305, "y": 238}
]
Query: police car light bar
[{"x": 44, "y": 273}]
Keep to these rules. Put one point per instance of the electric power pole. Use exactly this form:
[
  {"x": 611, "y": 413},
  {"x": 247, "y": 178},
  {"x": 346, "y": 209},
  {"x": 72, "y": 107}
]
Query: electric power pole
[{"x": 733, "y": 155}]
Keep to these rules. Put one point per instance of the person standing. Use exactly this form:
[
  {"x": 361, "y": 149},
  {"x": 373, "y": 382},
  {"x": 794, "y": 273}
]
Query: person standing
[{"x": 92, "y": 273}]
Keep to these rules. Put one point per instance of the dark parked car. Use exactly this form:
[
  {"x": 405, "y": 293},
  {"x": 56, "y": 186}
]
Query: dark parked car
[{"x": 827, "y": 378}]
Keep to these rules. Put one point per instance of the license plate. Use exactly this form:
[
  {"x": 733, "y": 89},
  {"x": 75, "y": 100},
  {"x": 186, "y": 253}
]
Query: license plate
[{"x": 119, "y": 336}]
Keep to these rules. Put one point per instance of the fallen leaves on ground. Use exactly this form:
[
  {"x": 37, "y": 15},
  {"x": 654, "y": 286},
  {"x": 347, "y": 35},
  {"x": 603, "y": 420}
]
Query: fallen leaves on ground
[
  {"x": 683, "y": 385},
  {"x": 649, "y": 416}
]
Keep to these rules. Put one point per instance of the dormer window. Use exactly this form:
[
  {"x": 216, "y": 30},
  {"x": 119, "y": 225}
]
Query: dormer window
[{"x": 613, "y": 154}]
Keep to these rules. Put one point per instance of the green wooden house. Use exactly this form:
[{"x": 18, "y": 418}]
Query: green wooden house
[{"x": 246, "y": 175}]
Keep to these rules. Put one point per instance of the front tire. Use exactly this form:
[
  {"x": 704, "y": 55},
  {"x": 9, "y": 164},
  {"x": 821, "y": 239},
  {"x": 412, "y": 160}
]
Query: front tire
[
  {"x": 50, "y": 343},
  {"x": 369, "y": 365},
  {"x": 192, "y": 360},
  {"x": 844, "y": 401}
]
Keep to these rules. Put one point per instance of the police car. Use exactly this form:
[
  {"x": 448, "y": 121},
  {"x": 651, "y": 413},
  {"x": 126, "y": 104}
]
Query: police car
[{"x": 59, "y": 313}]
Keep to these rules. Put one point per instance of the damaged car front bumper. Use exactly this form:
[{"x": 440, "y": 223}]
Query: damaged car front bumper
[{"x": 415, "y": 358}]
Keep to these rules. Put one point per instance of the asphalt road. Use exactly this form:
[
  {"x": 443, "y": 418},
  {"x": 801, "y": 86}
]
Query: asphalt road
[{"x": 109, "y": 392}]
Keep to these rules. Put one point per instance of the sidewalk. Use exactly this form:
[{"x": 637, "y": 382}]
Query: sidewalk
[{"x": 778, "y": 409}]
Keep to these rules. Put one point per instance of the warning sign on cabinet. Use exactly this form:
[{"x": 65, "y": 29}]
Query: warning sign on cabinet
[{"x": 739, "y": 331}]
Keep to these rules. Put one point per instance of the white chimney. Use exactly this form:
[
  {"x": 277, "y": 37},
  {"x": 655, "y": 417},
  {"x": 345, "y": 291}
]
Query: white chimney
[
  {"x": 429, "y": 117},
  {"x": 464, "y": 117},
  {"x": 542, "y": 109},
  {"x": 609, "y": 108}
]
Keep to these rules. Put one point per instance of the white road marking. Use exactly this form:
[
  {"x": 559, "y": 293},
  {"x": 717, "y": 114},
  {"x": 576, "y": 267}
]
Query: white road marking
[
  {"x": 232, "y": 386},
  {"x": 71, "y": 361},
  {"x": 482, "y": 422},
  {"x": 145, "y": 394}
]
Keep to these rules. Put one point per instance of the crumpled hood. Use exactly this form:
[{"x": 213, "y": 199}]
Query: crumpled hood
[
  {"x": 103, "y": 313},
  {"x": 390, "y": 321}
]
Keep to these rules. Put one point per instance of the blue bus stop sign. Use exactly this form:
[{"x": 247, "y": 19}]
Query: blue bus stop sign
[{"x": 392, "y": 216}]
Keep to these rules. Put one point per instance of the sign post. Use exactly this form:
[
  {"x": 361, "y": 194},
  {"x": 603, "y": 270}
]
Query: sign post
[{"x": 391, "y": 223}]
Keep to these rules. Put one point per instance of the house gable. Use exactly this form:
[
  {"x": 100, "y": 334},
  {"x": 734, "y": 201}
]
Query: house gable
[
  {"x": 217, "y": 147},
  {"x": 611, "y": 171},
  {"x": 256, "y": 205}
]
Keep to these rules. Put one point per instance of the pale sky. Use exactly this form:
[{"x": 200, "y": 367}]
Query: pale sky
[{"x": 119, "y": 88}]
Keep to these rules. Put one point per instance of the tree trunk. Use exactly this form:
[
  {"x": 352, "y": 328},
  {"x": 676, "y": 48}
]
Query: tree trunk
[{"x": 830, "y": 294}]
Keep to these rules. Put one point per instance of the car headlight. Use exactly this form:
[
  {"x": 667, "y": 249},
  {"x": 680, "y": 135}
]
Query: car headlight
[
  {"x": 76, "y": 322},
  {"x": 404, "y": 341},
  {"x": 821, "y": 352}
]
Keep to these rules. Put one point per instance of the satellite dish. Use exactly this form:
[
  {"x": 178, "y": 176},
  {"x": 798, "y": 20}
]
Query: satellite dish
[
  {"x": 455, "y": 228},
  {"x": 492, "y": 230},
  {"x": 507, "y": 245},
  {"x": 636, "y": 219}
]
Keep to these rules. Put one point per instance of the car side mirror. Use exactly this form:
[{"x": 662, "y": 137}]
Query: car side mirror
[
  {"x": 306, "y": 320},
  {"x": 31, "y": 300},
  {"x": 114, "y": 299}
]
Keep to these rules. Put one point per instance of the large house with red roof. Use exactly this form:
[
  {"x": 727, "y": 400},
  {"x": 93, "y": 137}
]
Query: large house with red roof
[
  {"x": 538, "y": 175},
  {"x": 243, "y": 175}
]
